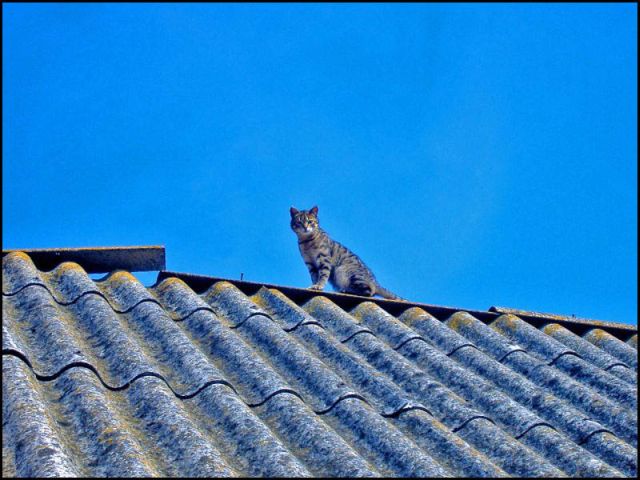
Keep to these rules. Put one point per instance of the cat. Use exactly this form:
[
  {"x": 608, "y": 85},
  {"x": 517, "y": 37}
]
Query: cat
[{"x": 327, "y": 259}]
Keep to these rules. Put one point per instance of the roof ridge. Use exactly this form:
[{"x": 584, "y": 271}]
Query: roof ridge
[{"x": 579, "y": 326}]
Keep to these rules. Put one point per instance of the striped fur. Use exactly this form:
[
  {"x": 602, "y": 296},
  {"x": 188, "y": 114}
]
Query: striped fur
[{"x": 328, "y": 260}]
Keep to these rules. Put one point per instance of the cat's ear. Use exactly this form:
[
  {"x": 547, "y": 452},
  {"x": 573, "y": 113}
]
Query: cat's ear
[
  {"x": 293, "y": 211},
  {"x": 314, "y": 211}
]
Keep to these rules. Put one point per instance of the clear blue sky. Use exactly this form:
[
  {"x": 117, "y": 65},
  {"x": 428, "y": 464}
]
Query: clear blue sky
[{"x": 471, "y": 155}]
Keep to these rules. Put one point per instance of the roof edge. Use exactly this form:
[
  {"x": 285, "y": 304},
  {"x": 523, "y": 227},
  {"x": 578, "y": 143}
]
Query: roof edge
[
  {"x": 200, "y": 283},
  {"x": 562, "y": 319},
  {"x": 99, "y": 259}
]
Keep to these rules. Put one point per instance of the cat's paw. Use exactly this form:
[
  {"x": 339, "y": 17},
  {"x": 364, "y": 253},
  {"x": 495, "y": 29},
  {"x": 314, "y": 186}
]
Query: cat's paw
[{"x": 315, "y": 286}]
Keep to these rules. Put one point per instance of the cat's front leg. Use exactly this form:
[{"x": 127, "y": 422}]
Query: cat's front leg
[
  {"x": 322, "y": 276},
  {"x": 313, "y": 271}
]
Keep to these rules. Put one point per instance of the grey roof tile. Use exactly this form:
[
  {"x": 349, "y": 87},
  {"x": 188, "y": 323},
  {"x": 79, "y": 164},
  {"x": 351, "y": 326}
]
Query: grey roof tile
[
  {"x": 622, "y": 420},
  {"x": 614, "y": 347},
  {"x": 592, "y": 354},
  {"x": 109, "y": 378},
  {"x": 565, "y": 359},
  {"x": 514, "y": 418},
  {"x": 29, "y": 432}
]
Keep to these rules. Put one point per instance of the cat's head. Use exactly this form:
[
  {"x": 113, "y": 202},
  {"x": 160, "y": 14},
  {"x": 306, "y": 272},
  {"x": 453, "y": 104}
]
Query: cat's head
[{"x": 304, "y": 222}]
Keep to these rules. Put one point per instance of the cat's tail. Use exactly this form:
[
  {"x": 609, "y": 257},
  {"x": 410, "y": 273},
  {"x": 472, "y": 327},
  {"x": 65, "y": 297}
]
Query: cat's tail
[{"x": 383, "y": 292}]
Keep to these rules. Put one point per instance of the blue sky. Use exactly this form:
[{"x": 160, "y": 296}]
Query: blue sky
[{"x": 472, "y": 155}]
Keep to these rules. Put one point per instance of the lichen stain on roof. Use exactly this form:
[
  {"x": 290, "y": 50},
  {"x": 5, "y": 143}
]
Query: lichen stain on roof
[{"x": 111, "y": 378}]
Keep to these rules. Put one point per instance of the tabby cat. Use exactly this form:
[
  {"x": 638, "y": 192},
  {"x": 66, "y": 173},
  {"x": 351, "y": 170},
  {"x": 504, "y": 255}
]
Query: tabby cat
[{"x": 327, "y": 259}]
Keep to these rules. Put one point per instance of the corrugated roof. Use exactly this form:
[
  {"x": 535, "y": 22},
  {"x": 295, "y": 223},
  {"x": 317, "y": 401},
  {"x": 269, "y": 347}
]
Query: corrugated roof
[{"x": 110, "y": 378}]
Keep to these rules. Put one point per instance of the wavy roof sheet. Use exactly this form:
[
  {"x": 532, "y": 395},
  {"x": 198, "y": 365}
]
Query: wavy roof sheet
[{"x": 110, "y": 378}]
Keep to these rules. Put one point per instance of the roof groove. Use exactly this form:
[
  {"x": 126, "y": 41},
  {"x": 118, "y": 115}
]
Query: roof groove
[
  {"x": 273, "y": 394},
  {"x": 618, "y": 364},
  {"x": 504, "y": 357},
  {"x": 403, "y": 342},
  {"x": 540, "y": 424},
  {"x": 127, "y": 384},
  {"x": 468, "y": 420},
  {"x": 466, "y": 345},
  {"x": 250, "y": 317},
  {"x": 407, "y": 408},
  {"x": 302, "y": 324},
  {"x": 563, "y": 354},
  {"x": 30, "y": 284},
  {"x": 369, "y": 332},
  {"x": 346, "y": 396},
  {"x": 80, "y": 296},
  {"x": 588, "y": 437}
]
